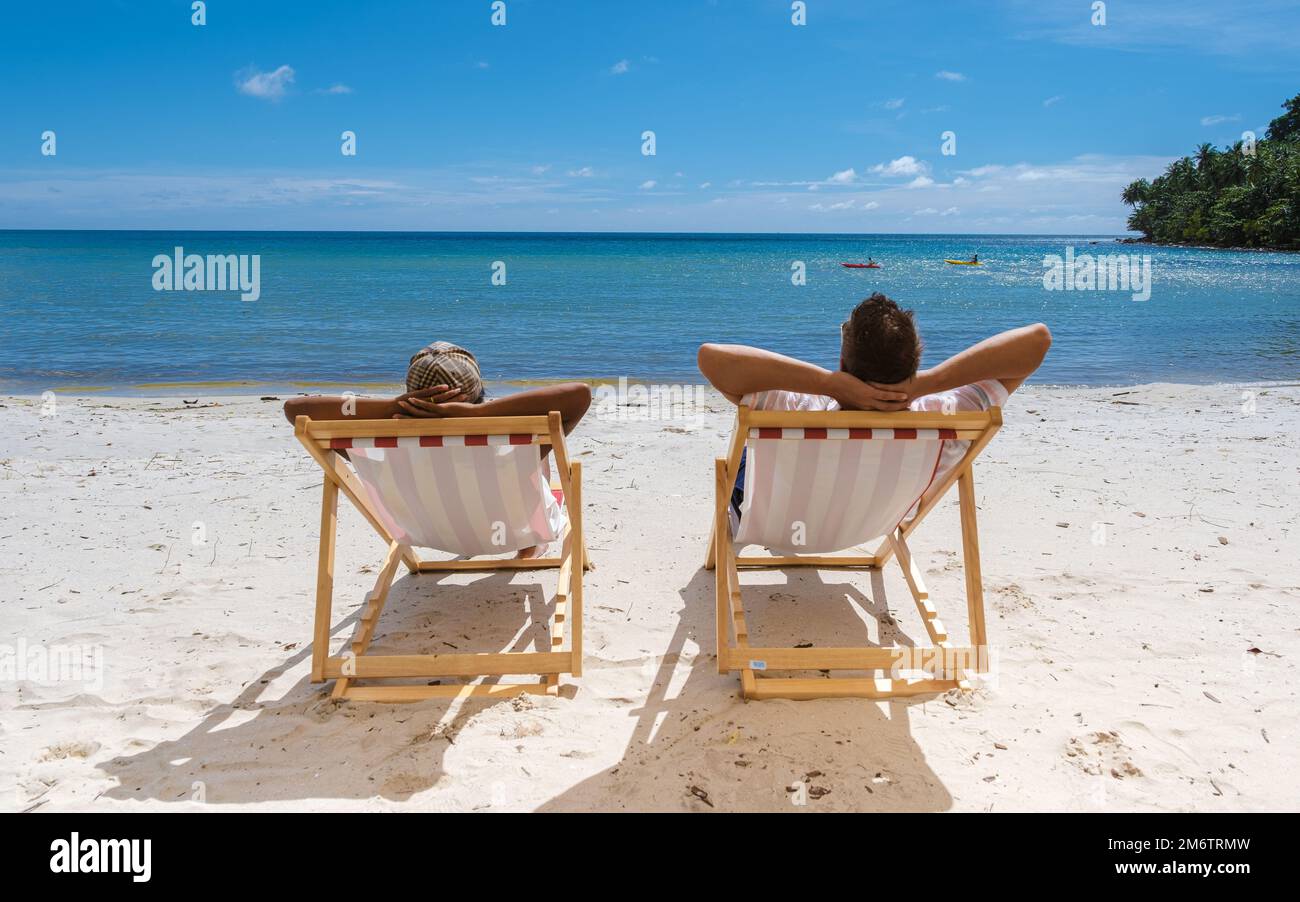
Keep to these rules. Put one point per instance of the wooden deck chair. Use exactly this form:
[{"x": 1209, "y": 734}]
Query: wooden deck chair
[
  {"x": 820, "y": 482},
  {"x": 471, "y": 486}
]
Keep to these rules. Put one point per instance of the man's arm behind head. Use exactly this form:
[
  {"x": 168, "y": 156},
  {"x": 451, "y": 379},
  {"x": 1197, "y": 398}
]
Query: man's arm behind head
[
  {"x": 738, "y": 370},
  {"x": 1009, "y": 357}
]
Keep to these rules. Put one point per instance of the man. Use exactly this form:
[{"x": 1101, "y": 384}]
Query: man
[
  {"x": 880, "y": 355},
  {"x": 443, "y": 380}
]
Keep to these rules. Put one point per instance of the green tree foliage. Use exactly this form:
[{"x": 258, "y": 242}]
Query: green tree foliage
[{"x": 1229, "y": 198}]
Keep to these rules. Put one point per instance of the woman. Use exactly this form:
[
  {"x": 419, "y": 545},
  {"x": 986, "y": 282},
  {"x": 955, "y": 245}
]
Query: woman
[{"x": 443, "y": 380}]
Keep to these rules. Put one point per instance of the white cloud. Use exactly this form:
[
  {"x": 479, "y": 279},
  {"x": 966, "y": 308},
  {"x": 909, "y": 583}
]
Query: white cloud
[
  {"x": 949, "y": 76},
  {"x": 951, "y": 211},
  {"x": 1090, "y": 173},
  {"x": 266, "y": 85},
  {"x": 850, "y": 204},
  {"x": 1053, "y": 100},
  {"x": 482, "y": 64},
  {"x": 921, "y": 181},
  {"x": 541, "y": 169},
  {"x": 1059, "y": 196},
  {"x": 648, "y": 184},
  {"x": 843, "y": 177},
  {"x": 336, "y": 89},
  {"x": 585, "y": 172},
  {"x": 826, "y": 208},
  {"x": 904, "y": 165},
  {"x": 894, "y": 104},
  {"x": 926, "y": 211},
  {"x": 1218, "y": 120},
  {"x": 620, "y": 67},
  {"x": 1256, "y": 28},
  {"x": 704, "y": 185}
]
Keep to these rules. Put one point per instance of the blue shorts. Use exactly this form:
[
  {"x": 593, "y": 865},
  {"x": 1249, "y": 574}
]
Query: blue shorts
[{"x": 738, "y": 490}]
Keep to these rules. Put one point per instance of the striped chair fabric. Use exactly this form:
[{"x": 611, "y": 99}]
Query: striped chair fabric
[
  {"x": 463, "y": 494},
  {"x": 811, "y": 491}
]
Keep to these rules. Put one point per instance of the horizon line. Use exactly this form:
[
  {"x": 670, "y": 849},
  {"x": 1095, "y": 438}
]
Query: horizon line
[{"x": 587, "y": 232}]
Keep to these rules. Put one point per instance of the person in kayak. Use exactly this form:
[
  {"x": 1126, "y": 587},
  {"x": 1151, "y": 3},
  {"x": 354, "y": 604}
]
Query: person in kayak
[
  {"x": 975, "y": 259},
  {"x": 871, "y": 261},
  {"x": 880, "y": 355}
]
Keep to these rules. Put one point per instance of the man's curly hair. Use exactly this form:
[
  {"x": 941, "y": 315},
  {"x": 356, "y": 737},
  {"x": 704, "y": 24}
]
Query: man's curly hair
[{"x": 880, "y": 342}]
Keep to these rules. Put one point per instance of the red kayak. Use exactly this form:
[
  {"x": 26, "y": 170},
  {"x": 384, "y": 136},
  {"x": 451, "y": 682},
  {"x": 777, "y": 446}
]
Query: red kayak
[{"x": 861, "y": 265}]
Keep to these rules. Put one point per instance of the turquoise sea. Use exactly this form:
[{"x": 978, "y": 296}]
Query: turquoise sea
[{"x": 79, "y": 308}]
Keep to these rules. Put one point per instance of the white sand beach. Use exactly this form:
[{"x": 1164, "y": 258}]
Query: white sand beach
[{"x": 1141, "y": 559}]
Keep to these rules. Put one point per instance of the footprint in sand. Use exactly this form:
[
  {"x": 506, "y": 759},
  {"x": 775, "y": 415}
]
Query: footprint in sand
[
  {"x": 1103, "y": 752},
  {"x": 69, "y": 750},
  {"x": 1011, "y": 597}
]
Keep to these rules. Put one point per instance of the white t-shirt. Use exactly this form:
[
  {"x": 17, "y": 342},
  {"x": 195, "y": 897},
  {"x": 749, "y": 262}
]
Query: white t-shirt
[{"x": 976, "y": 396}]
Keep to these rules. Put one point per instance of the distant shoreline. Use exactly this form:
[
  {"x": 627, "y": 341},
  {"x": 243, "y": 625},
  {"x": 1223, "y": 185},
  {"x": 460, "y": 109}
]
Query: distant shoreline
[
  {"x": 1209, "y": 247},
  {"x": 524, "y": 233}
]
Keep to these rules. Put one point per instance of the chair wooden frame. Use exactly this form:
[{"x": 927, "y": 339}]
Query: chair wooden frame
[
  {"x": 734, "y": 650},
  {"x": 354, "y": 665}
]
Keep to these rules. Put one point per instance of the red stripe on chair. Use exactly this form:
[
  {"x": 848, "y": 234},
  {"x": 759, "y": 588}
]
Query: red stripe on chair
[
  {"x": 769, "y": 432},
  {"x": 434, "y": 441}
]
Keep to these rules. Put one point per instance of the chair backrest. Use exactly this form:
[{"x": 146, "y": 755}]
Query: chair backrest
[
  {"x": 825, "y": 481},
  {"x": 470, "y": 486}
]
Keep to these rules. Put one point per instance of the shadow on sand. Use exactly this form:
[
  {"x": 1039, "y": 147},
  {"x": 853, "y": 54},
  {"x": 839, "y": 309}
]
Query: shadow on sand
[
  {"x": 696, "y": 745},
  {"x": 693, "y": 745},
  {"x": 303, "y": 746}
]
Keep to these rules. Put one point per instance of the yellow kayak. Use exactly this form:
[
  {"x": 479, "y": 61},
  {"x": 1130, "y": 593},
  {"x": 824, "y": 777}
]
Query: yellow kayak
[{"x": 962, "y": 263}]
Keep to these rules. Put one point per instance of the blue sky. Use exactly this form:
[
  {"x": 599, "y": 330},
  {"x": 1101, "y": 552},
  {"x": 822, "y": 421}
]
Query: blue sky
[{"x": 760, "y": 125}]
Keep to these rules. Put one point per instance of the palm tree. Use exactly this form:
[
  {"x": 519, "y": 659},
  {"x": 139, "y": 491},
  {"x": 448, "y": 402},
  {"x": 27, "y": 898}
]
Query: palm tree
[
  {"x": 1204, "y": 156},
  {"x": 1287, "y": 126},
  {"x": 1136, "y": 192},
  {"x": 1227, "y": 197}
]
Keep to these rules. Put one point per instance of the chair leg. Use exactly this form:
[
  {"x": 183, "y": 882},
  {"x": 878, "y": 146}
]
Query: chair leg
[
  {"x": 718, "y": 547},
  {"x": 579, "y": 549},
  {"x": 329, "y": 518},
  {"x": 736, "y": 611},
  {"x": 971, "y": 560}
]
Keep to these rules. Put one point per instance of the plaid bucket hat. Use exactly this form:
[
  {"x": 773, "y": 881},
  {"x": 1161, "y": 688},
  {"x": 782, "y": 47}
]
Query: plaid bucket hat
[{"x": 443, "y": 363}]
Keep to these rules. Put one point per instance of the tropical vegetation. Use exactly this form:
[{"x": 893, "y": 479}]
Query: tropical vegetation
[{"x": 1246, "y": 195}]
